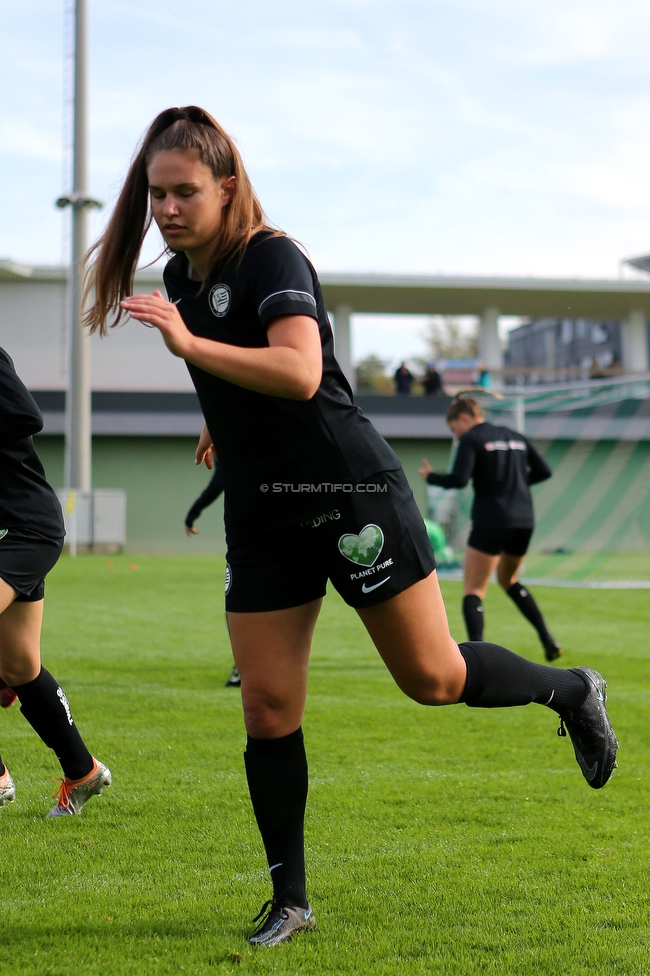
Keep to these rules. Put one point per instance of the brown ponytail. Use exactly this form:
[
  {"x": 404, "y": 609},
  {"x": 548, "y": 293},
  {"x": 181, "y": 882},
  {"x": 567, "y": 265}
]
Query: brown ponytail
[
  {"x": 117, "y": 251},
  {"x": 466, "y": 405}
]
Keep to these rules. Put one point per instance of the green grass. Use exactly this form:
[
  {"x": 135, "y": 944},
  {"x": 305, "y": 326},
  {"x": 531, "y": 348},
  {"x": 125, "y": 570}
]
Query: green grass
[
  {"x": 582, "y": 565},
  {"x": 449, "y": 841}
]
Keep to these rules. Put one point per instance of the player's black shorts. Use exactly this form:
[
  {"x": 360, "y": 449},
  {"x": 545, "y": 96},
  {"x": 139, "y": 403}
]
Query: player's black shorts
[
  {"x": 494, "y": 541},
  {"x": 370, "y": 542},
  {"x": 25, "y": 560}
]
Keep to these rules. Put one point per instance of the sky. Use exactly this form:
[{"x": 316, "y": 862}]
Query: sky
[{"x": 479, "y": 137}]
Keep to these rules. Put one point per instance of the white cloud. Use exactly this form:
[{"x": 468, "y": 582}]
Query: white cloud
[{"x": 476, "y": 136}]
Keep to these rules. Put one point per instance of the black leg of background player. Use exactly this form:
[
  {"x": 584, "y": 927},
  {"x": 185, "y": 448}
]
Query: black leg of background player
[{"x": 507, "y": 573}]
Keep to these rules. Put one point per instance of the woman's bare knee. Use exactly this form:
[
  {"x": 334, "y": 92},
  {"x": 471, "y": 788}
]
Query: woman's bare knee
[
  {"x": 505, "y": 580},
  {"x": 269, "y": 716},
  {"x": 435, "y": 688},
  {"x": 20, "y": 649},
  {"x": 508, "y": 570},
  {"x": 19, "y": 674},
  {"x": 433, "y": 694}
]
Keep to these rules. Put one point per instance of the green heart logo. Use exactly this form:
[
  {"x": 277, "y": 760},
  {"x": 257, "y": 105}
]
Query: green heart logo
[
  {"x": 364, "y": 548},
  {"x": 3, "y": 533}
]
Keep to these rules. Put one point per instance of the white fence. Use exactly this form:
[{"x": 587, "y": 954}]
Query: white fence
[{"x": 94, "y": 519}]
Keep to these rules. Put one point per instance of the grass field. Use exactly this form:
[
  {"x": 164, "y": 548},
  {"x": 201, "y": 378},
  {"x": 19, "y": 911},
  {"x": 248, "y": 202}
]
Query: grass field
[
  {"x": 589, "y": 566},
  {"x": 449, "y": 841}
]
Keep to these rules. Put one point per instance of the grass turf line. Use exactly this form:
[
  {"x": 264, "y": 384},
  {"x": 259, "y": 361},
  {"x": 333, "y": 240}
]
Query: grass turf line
[{"x": 448, "y": 840}]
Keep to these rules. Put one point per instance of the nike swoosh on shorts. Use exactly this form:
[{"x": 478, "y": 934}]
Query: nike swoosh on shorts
[{"x": 367, "y": 589}]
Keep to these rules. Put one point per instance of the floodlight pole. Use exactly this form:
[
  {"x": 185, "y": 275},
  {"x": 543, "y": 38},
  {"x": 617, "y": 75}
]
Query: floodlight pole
[{"x": 78, "y": 415}]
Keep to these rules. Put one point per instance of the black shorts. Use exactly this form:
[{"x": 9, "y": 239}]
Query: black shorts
[
  {"x": 25, "y": 560},
  {"x": 494, "y": 541},
  {"x": 371, "y": 543}
]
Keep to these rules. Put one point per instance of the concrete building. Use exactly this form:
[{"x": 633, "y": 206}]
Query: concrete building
[{"x": 581, "y": 346}]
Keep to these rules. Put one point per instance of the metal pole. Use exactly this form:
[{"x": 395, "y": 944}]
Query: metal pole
[
  {"x": 78, "y": 430},
  {"x": 520, "y": 414}
]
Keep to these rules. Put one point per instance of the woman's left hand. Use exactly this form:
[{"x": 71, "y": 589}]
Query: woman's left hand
[{"x": 163, "y": 315}]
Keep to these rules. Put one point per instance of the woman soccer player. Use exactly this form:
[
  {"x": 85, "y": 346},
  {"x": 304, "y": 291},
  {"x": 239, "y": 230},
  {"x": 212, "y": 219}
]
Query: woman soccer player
[
  {"x": 312, "y": 491},
  {"x": 210, "y": 494},
  {"x": 502, "y": 465},
  {"x": 31, "y": 538}
]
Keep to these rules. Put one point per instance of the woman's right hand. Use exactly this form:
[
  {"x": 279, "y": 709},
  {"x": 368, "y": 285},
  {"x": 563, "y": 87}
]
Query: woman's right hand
[{"x": 204, "y": 449}]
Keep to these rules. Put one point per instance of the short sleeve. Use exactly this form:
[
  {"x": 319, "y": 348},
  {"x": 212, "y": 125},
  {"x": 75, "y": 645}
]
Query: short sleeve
[
  {"x": 282, "y": 281},
  {"x": 19, "y": 413}
]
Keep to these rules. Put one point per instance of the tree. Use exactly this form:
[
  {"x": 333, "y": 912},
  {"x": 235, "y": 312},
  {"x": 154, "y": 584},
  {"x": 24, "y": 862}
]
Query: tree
[
  {"x": 447, "y": 339},
  {"x": 371, "y": 375}
]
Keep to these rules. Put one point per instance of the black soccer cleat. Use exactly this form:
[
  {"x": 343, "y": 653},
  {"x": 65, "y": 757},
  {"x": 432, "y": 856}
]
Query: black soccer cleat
[
  {"x": 552, "y": 649},
  {"x": 592, "y": 735},
  {"x": 280, "y": 924},
  {"x": 234, "y": 681}
]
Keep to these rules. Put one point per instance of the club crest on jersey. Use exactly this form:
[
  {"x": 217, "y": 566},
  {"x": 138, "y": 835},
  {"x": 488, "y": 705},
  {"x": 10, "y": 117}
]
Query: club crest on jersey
[
  {"x": 364, "y": 548},
  {"x": 220, "y": 300}
]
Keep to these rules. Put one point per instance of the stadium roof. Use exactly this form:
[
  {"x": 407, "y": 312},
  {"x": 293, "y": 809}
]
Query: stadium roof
[
  {"x": 641, "y": 263},
  {"x": 442, "y": 294}
]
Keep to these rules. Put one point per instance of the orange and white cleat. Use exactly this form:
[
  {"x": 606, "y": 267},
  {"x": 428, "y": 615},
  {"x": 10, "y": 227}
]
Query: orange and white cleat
[
  {"x": 73, "y": 793},
  {"x": 7, "y": 788}
]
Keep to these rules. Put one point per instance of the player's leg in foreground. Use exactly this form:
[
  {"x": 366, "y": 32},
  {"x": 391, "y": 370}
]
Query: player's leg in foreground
[
  {"x": 44, "y": 705},
  {"x": 276, "y": 765},
  {"x": 508, "y": 577},
  {"x": 411, "y": 633}
]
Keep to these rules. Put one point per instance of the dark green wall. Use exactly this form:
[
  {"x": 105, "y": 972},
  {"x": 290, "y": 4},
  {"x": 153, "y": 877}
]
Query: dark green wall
[
  {"x": 161, "y": 482},
  {"x": 411, "y": 452}
]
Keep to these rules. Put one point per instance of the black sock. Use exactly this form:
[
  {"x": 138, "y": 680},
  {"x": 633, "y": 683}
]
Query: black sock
[
  {"x": 44, "y": 705},
  {"x": 276, "y": 770},
  {"x": 497, "y": 678},
  {"x": 2, "y": 767},
  {"x": 474, "y": 618},
  {"x": 524, "y": 601}
]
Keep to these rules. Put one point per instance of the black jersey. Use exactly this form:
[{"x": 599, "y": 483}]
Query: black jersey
[
  {"x": 264, "y": 440},
  {"x": 26, "y": 499},
  {"x": 502, "y": 465}
]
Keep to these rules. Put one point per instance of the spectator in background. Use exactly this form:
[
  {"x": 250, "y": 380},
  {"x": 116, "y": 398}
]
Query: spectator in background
[
  {"x": 403, "y": 379},
  {"x": 484, "y": 378},
  {"x": 596, "y": 371},
  {"x": 432, "y": 381}
]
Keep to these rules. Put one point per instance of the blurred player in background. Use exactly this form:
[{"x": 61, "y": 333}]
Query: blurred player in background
[
  {"x": 207, "y": 496},
  {"x": 502, "y": 465},
  {"x": 246, "y": 312},
  {"x": 31, "y": 539}
]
